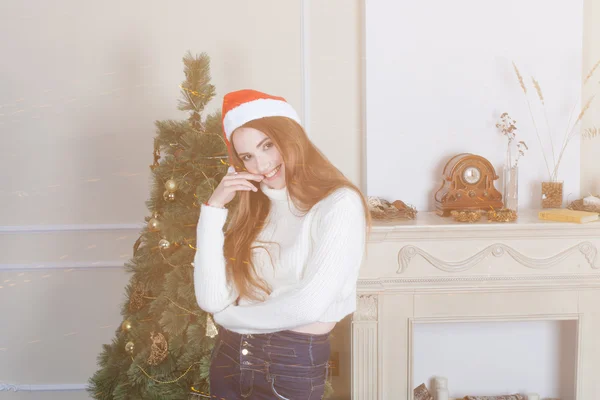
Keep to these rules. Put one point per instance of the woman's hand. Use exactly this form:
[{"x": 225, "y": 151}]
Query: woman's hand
[{"x": 230, "y": 184}]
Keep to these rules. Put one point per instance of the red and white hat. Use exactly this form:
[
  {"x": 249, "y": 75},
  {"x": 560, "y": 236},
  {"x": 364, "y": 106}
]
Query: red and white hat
[{"x": 247, "y": 105}]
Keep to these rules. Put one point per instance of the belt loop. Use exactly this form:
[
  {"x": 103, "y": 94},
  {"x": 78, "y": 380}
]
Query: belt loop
[
  {"x": 268, "y": 371},
  {"x": 310, "y": 346}
]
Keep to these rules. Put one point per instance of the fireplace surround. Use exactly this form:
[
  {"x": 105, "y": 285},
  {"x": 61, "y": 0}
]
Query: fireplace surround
[{"x": 433, "y": 269}]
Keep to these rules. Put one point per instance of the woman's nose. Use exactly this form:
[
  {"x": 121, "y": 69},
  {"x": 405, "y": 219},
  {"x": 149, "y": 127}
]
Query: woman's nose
[{"x": 265, "y": 166}]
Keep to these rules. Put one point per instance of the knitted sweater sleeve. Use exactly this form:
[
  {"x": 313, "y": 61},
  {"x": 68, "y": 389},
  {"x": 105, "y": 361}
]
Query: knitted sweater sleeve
[
  {"x": 334, "y": 261},
  {"x": 213, "y": 292}
]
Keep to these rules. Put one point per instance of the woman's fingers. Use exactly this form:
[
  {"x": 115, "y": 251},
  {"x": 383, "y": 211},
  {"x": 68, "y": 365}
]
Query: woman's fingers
[
  {"x": 244, "y": 187},
  {"x": 237, "y": 183},
  {"x": 244, "y": 175}
]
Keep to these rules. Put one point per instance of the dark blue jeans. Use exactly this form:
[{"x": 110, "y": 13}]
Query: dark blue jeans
[{"x": 282, "y": 365}]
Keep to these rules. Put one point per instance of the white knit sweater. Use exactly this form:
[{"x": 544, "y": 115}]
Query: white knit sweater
[{"x": 314, "y": 271}]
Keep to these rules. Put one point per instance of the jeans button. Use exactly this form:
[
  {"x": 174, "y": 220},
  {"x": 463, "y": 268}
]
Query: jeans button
[{"x": 245, "y": 351}]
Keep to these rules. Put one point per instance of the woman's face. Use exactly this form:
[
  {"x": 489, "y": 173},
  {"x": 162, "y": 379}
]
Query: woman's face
[{"x": 260, "y": 156}]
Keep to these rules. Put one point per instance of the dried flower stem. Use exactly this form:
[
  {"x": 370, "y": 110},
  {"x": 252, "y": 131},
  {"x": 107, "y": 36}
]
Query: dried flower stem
[
  {"x": 538, "y": 89},
  {"x": 591, "y": 133},
  {"x": 508, "y": 128},
  {"x": 589, "y": 75},
  {"x": 571, "y": 135},
  {"x": 521, "y": 147},
  {"x": 520, "y": 78},
  {"x": 531, "y": 114}
]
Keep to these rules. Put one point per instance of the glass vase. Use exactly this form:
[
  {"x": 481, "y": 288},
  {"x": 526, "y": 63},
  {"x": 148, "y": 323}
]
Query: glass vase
[
  {"x": 552, "y": 194},
  {"x": 511, "y": 188}
]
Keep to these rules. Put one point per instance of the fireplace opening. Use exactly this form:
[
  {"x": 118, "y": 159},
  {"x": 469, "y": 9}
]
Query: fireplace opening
[{"x": 486, "y": 358}]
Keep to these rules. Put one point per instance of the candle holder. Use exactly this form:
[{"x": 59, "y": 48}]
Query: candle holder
[{"x": 552, "y": 194}]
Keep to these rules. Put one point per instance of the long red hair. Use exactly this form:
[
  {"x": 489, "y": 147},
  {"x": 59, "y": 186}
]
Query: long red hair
[{"x": 310, "y": 177}]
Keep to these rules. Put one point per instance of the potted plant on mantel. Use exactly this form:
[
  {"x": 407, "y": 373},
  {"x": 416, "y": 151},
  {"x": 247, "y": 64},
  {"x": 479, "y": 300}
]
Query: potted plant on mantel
[{"x": 552, "y": 189}]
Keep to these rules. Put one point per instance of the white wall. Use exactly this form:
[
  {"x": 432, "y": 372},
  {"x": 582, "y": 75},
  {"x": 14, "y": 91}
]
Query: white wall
[
  {"x": 86, "y": 81},
  {"x": 81, "y": 87},
  {"x": 439, "y": 75}
]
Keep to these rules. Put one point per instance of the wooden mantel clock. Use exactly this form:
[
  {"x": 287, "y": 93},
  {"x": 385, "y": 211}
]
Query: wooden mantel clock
[{"x": 468, "y": 185}]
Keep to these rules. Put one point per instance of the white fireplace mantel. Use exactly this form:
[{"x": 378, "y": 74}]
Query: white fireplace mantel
[{"x": 434, "y": 269}]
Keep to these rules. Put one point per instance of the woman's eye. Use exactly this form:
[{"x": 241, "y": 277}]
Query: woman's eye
[{"x": 267, "y": 146}]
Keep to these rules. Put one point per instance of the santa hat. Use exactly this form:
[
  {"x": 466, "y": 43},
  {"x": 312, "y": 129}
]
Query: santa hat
[{"x": 247, "y": 105}]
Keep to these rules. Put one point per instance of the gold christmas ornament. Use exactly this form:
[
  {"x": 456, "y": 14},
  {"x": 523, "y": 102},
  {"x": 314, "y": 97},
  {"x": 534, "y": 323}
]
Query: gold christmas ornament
[
  {"x": 129, "y": 347},
  {"x": 169, "y": 196},
  {"x": 136, "y": 300},
  {"x": 154, "y": 225},
  {"x": 126, "y": 326},
  {"x": 154, "y": 215},
  {"x": 171, "y": 185},
  {"x": 164, "y": 244},
  {"x": 156, "y": 154},
  {"x": 159, "y": 349},
  {"x": 211, "y": 329}
]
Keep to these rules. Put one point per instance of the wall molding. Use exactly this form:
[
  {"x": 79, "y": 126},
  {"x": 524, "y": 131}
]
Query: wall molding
[
  {"x": 491, "y": 283},
  {"x": 79, "y": 265},
  {"x": 16, "y": 229},
  {"x": 62, "y": 387},
  {"x": 305, "y": 56}
]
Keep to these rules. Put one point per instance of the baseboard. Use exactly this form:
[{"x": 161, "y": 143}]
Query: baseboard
[{"x": 63, "y": 387}]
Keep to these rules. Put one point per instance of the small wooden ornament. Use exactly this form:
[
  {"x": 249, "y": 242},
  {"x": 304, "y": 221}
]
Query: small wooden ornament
[{"x": 468, "y": 184}]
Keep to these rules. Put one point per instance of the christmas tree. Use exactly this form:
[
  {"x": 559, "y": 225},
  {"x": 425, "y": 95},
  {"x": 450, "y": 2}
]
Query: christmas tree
[{"x": 162, "y": 349}]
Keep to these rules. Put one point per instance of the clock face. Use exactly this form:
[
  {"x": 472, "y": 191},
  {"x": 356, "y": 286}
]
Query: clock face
[{"x": 472, "y": 175}]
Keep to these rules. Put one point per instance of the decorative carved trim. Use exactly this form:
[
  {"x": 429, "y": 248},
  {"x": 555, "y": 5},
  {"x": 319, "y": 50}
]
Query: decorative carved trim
[
  {"x": 365, "y": 362},
  {"x": 406, "y": 253},
  {"x": 366, "y": 309},
  {"x": 7, "y": 387}
]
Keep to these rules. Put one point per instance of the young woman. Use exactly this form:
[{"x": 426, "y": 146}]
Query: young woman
[{"x": 285, "y": 269}]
